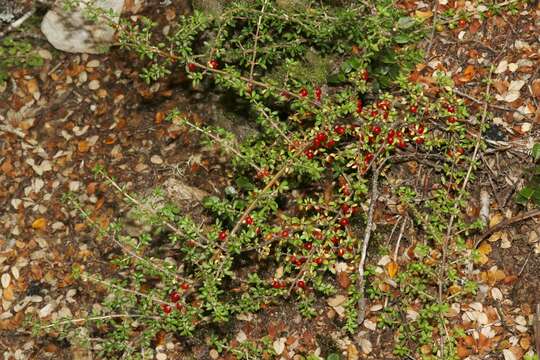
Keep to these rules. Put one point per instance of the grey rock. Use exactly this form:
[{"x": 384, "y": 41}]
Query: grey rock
[{"x": 69, "y": 30}]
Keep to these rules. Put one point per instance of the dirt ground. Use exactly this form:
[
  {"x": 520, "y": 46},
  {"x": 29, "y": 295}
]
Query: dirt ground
[{"x": 60, "y": 120}]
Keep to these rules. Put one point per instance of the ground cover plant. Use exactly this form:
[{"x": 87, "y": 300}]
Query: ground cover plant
[{"x": 329, "y": 181}]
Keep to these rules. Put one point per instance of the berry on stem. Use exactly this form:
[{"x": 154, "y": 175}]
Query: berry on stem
[
  {"x": 339, "y": 129},
  {"x": 303, "y": 92},
  {"x": 376, "y": 129},
  {"x": 359, "y": 106},
  {"x": 308, "y": 246},
  {"x": 318, "y": 93},
  {"x": 301, "y": 284},
  {"x": 214, "y": 64},
  {"x": 166, "y": 308},
  {"x": 191, "y": 67},
  {"x": 309, "y": 154},
  {"x": 222, "y": 235},
  {"x": 248, "y": 220},
  {"x": 175, "y": 296},
  {"x": 452, "y": 119},
  {"x": 344, "y": 222}
]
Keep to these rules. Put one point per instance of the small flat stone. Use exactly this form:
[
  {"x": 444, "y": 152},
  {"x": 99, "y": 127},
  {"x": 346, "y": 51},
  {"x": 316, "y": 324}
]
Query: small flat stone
[
  {"x": 161, "y": 356},
  {"x": 93, "y": 63},
  {"x": 6, "y": 280},
  {"x": 94, "y": 85},
  {"x": 156, "y": 159}
]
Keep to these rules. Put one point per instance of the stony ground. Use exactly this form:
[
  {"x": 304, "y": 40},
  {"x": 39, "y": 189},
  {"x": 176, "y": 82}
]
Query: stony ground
[{"x": 58, "y": 121}]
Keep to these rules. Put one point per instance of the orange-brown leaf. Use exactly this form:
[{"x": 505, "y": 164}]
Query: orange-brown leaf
[
  {"x": 392, "y": 268},
  {"x": 39, "y": 224}
]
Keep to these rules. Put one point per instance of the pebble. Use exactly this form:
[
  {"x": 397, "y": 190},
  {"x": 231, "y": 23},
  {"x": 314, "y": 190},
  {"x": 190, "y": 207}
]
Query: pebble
[
  {"x": 45, "y": 54},
  {"x": 93, "y": 85},
  {"x": 161, "y": 356},
  {"x": 6, "y": 279},
  {"x": 156, "y": 159},
  {"x": 214, "y": 354},
  {"x": 83, "y": 76},
  {"x": 93, "y": 63}
]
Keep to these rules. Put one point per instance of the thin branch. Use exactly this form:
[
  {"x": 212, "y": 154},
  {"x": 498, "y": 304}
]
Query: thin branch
[
  {"x": 95, "y": 318},
  {"x": 17, "y": 22},
  {"x": 365, "y": 243},
  {"x": 256, "y": 41}
]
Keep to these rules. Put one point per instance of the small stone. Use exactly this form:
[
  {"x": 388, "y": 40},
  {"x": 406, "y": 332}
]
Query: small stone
[
  {"x": 83, "y": 76},
  {"x": 46, "y": 310},
  {"x": 93, "y": 85},
  {"x": 214, "y": 354},
  {"x": 161, "y": 356},
  {"x": 45, "y": 54},
  {"x": 6, "y": 279},
  {"x": 93, "y": 63},
  {"x": 156, "y": 159}
]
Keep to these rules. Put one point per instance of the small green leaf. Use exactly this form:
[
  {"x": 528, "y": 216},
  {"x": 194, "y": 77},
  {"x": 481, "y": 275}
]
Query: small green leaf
[
  {"x": 536, "y": 152},
  {"x": 333, "y": 356},
  {"x": 405, "y": 23}
]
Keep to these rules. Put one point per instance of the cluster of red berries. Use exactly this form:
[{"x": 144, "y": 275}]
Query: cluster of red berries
[
  {"x": 175, "y": 298},
  {"x": 304, "y": 93},
  {"x": 320, "y": 140},
  {"x": 452, "y": 119}
]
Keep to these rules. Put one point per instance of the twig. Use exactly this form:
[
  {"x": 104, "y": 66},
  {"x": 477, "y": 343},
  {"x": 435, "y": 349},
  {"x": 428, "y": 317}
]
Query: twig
[
  {"x": 401, "y": 230},
  {"x": 499, "y": 107},
  {"x": 256, "y": 41},
  {"x": 365, "y": 243},
  {"x": 94, "y": 318},
  {"x": 507, "y": 222},
  {"x": 446, "y": 239},
  {"x": 433, "y": 28},
  {"x": 17, "y": 22}
]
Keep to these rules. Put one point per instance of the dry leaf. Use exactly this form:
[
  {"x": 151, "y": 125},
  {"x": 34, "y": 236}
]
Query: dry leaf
[
  {"x": 343, "y": 279},
  {"x": 39, "y": 224},
  {"x": 336, "y": 300},
  {"x": 495, "y": 219},
  {"x": 392, "y": 268},
  {"x": 424, "y": 14},
  {"x": 536, "y": 88},
  {"x": 468, "y": 74}
]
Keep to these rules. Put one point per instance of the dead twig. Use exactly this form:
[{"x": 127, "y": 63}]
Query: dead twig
[
  {"x": 14, "y": 25},
  {"x": 480, "y": 102},
  {"x": 365, "y": 243},
  {"x": 505, "y": 223}
]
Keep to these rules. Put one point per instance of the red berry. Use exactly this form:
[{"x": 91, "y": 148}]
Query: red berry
[
  {"x": 365, "y": 75},
  {"x": 402, "y": 144},
  {"x": 420, "y": 129},
  {"x": 368, "y": 158},
  {"x": 374, "y": 113},
  {"x": 413, "y": 109},
  {"x": 359, "y": 105},
  {"x": 339, "y": 129},
  {"x": 174, "y": 296},
  {"x": 390, "y": 139},
  {"x": 335, "y": 240},
  {"x": 185, "y": 286},
  {"x": 317, "y": 234},
  {"x": 285, "y": 233},
  {"x": 276, "y": 284},
  {"x": 214, "y": 64},
  {"x": 191, "y": 67},
  {"x": 452, "y": 119},
  {"x": 285, "y": 94},
  {"x": 450, "y": 109},
  {"x": 391, "y": 132},
  {"x": 309, "y": 154},
  {"x": 344, "y": 222},
  {"x": 178, "y": 306},
  {"x": 341, "y": 252},
  {"x": 248, "y": 220},
  {"x": 301, "y": 284},
  {"x": 462, "y": 22},
  {"x": 376, "y": 129},
  {"x": 399, "y": 134},
  {"x": 330, "y": 144},
  {"x": 308, "y": 246},
  {"x": 222, "y": 235},
  {"x": 318, "y": 93},
  {"x": 318, "y": 261},
  {"x": 420, "y": 140},
  {"x": 321, "y": 137},
  {"x": 316, "y": 144},
  {"x": 166, "y": 308},
  {"x": 345, "y": 208},
  {"x": 383, "y": 105},
  {"x": 303, "y": 92}
]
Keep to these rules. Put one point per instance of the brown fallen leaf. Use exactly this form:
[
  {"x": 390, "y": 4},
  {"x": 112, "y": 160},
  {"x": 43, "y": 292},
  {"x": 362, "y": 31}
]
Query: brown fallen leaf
[
  {"x": 392, "y": 269},
  {"x": 468, "y": 74},
  {"x": 39, "y": 224},
  {"x": 536, "y": 88},
  {"x": 343, "y": 279}
]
